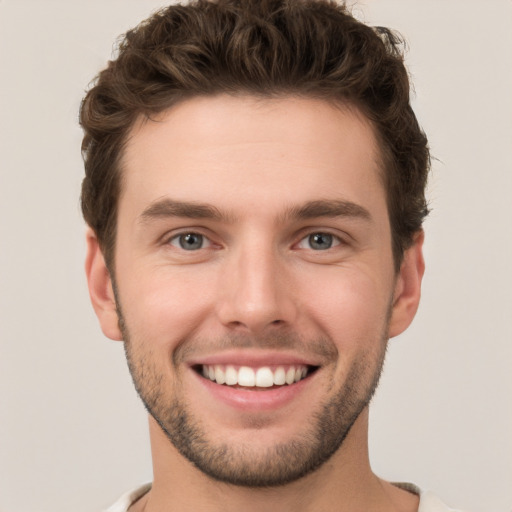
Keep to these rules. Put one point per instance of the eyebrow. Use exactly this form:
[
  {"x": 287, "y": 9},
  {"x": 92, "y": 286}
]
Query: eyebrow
[
  {"x": 167, "y": 207},
  {"x": 328, "y": 208}
]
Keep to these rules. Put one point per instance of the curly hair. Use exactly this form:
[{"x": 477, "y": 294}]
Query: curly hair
[{"x": 269, "y": 48}]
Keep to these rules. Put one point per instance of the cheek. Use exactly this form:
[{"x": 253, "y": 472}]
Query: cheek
[
  {"x": 166, "y": 305},
  {"x": 350, "y": 306}
]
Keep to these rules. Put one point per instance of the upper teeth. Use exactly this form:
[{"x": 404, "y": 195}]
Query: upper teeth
[{"x": 263, "y": 377}]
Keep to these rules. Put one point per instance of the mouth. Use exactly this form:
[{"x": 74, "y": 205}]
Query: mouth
[
  {"x": 255, "y": 378},
  {"x": 255, "y": 381}
]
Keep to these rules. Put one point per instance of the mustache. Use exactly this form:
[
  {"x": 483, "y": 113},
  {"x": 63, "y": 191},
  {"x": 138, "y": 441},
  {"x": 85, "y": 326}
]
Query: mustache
[{"x": 321, "y": 347}]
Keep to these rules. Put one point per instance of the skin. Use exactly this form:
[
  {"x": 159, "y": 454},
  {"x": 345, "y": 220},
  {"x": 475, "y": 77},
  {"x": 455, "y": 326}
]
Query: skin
[{"x": 256, "y": 280}]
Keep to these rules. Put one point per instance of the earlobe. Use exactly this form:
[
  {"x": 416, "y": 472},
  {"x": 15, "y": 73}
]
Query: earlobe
[
  {"x": 408, "y": 287},
  {"x": 100, "y": 288}
]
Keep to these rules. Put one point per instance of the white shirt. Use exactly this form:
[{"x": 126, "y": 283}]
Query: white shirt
[{"x": 428, "y": 501}]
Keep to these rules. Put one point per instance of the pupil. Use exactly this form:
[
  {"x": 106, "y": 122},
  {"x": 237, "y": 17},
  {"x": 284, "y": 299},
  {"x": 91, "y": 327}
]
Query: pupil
[
  {"x": 320, "y": 241},
  {"x": 191, "y": 241}
]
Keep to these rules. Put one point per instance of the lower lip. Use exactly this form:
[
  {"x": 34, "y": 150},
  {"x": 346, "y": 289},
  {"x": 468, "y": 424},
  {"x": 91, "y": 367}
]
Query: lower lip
[{"x": 250, "y": 399}]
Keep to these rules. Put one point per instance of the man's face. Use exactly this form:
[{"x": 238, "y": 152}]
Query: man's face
[{"x": 254, "y": 246}]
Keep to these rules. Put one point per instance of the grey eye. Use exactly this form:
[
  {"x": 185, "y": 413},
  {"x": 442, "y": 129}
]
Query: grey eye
[
  {"x": 189, "y": 241},
  {"x": 320, "y": 241}
]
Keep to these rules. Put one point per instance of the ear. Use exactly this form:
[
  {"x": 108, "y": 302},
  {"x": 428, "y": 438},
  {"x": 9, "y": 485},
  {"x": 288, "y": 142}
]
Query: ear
[
  {"x": 100, "y": 288},
  {"x": 408, "y": 287}
]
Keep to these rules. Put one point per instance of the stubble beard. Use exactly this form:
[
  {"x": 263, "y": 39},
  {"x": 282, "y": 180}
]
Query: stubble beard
[{"x": 277, "y": 465}]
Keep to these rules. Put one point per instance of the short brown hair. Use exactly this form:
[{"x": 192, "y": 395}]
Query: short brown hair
[{"x": 310, "y": 48}]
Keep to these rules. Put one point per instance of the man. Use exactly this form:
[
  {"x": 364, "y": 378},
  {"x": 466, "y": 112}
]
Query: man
[{"x": 254, "y": 189}]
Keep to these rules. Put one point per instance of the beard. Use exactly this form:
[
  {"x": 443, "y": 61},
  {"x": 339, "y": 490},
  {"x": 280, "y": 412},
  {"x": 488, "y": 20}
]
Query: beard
[{"x": 240, "y": 464}]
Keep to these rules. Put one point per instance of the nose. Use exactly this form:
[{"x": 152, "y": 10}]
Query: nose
[{"x": 257, "y": 292}]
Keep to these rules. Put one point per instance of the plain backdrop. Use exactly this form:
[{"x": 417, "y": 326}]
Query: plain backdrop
[{"x": 73, "y": 435}]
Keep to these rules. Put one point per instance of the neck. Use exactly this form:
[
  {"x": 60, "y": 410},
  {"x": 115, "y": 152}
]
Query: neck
[{"x": 344, "y": 483}]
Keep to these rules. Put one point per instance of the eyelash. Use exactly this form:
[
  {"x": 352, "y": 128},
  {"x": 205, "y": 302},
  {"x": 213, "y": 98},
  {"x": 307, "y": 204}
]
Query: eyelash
[
  {"x": 177, "y": 237},
  {"x": 336, "y": 240}
]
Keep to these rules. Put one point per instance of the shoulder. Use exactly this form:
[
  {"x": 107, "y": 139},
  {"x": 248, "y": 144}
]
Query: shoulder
[
  {"x": 429, "y": 502},
  {"x": 128, "y": 499}
]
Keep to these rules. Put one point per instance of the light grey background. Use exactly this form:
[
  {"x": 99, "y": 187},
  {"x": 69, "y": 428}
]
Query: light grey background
[{"x": 73, "y": 435}]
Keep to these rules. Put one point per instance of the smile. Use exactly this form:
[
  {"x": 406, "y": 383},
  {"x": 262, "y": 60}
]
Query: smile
[
  {"x": 261, "y": 377},
  {"x": 254, "y": 381}
]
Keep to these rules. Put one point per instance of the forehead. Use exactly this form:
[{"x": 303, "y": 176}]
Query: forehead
[{"x": 240, "y": 151}]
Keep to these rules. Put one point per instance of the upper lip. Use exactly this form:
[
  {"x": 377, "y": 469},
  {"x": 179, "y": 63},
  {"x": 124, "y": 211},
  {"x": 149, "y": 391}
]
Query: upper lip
[{"x": 254, "y": 358}]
